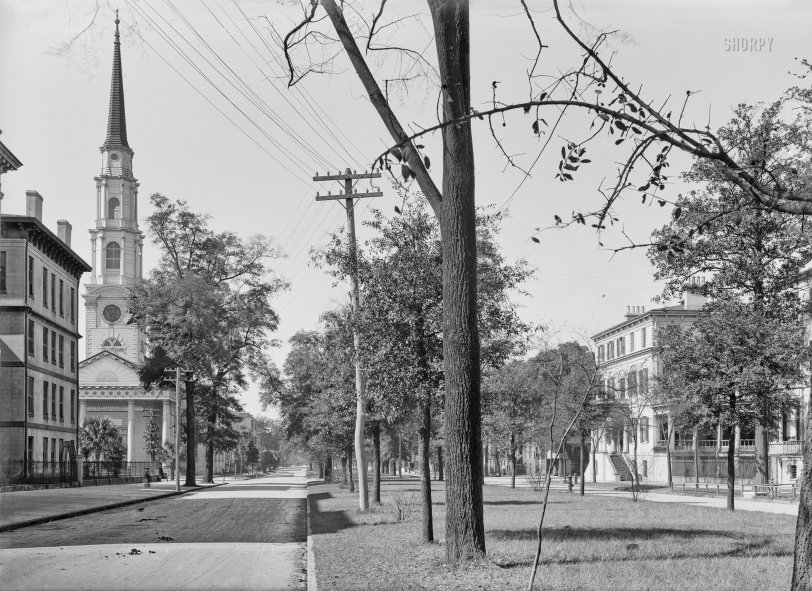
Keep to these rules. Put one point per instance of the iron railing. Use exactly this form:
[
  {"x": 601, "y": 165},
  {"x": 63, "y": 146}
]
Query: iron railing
[
  {"x": 106, "y": 469},
  {"x": 37, "y": 472}
]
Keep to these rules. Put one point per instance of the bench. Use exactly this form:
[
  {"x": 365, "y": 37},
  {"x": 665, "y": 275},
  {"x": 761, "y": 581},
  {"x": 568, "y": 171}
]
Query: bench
[{"x": 774, "y": 490}]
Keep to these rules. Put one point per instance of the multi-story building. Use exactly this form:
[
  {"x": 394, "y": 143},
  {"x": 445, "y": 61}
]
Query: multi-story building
[
  {"x": 109, "y": 382},
  {"x": 629, "y": 365},
  {"x": 39, "y": 338}
]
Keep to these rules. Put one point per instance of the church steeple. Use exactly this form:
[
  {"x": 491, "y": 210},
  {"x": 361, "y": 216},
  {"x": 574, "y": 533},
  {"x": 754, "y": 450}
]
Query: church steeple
[{"x": 116, "y": 119}]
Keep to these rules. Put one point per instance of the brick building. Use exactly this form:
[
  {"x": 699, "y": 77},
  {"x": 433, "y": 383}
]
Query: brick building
[{"x": 39, "y": 338}]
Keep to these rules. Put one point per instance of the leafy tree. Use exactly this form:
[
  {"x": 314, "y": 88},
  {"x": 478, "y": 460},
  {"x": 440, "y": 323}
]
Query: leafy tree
[
  {"x": 745, "y": 251},
  {"x": 509, "y": 400},
  {"x": 402, "y": 337},
  {"x": 251, "y": 454},
  {"x": 100, "y": 440},
  {"x": 152, "y": 438},
  {"x": 741, "y": 364},
  {"x": 206, "y": 307}
]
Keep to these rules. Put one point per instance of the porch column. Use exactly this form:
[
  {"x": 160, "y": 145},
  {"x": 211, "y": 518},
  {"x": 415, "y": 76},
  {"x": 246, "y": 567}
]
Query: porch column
[
  {"x": 738, "y": 436},
  {"x": 130, "y": 429},
  {"x": 82, "y": 412},
  {"x": 719, "y": 436},
  {"x": 165, "y": 435},
  {"x": 625, "y": 437}
]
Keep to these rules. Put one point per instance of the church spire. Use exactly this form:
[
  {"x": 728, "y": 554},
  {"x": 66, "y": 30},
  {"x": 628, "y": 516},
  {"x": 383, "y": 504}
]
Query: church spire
[{"x": 116, "y": 121}]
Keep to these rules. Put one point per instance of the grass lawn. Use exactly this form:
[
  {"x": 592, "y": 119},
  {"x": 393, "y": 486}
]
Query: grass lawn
[{"x": 590, "y": 543}]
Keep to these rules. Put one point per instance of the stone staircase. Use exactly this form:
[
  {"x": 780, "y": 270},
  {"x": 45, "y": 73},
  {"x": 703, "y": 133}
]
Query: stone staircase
[{"x": 619, "y": 462}]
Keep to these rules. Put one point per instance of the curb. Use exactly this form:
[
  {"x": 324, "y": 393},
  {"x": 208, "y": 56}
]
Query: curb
[{"x": 79, "y": 512}]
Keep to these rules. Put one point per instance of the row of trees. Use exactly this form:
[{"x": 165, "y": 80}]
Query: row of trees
[
  {"x": 206, "y": 309},
  {"x": 402, "y": 342}
]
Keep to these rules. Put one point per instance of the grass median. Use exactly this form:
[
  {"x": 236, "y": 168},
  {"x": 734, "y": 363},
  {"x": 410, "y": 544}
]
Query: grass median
[{"x": 590, "y": 542}]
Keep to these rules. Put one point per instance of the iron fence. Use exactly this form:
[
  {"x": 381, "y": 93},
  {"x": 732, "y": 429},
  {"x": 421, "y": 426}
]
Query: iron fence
[
  {"x": 38, "y": 472},
  {"x": 107, "y": 469}
]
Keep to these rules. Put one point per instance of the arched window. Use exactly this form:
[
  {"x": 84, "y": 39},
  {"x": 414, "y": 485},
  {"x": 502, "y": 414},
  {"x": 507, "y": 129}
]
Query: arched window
[
  {"x": 114, "y": 208},
  {"x": 113, "y": 256},
  {"x": 111, "y": 342}
]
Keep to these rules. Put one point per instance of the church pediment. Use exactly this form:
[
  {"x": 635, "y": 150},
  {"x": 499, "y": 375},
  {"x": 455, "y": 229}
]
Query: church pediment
[{"x": 107, "y": 368}]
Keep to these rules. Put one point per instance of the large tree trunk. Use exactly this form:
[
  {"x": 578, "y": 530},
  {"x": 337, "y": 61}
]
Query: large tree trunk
[
  {"x": 512, "y": 461},
  {"x": 465, "y": 527},
  {"x": 190, "y": 433},
  {"x": 731, "y": 473},
  {"x": 802, "y": 563},
  {"x": 581, "y": 463},
  {"x": 349, "y": 470},
  {"x": 440, "y": 467},
  {"x": 424, "y": 433},
  {"x": 762, "y": 455},
  {"x": 211, "y": 422},
  {"x": 376, "y": 467}
]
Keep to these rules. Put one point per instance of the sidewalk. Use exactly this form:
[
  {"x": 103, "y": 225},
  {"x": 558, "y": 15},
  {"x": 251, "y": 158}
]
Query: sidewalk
[
  {"x": 608, "y": 489},
  {"x": 30, "y": 507}
]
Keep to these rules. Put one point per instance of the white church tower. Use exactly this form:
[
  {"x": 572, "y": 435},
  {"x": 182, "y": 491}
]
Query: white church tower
[
  {"x": 116, "y": 240},
  {"x": 109, "y": 385}
]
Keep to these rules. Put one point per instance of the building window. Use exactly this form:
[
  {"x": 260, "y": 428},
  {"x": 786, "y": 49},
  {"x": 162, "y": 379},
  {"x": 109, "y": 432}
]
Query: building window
[
  {"x": 644, "y": 427},
  {"x": 642, "y": 385},
  {"x": 30, "y": 451},
  {"x": 114, "y": 208},
  {"x": 30, "y": 396},
  {"x": 53, "y": 292},
  {"x": 610, "y": 386},
  {"x": 61, "y": 351},
  {"x": 45, "y": 400},
  {"x": 31, "y": 277},
  {"x": 113, "y": 257},
  {"x": 111, "y": 342},
  {"x": 62, "y": 298},
  {"x": 72, "y": 304},
  {"x": 73, "y": 356},
  {"x": 631, "y": 342},
  {"x": 53, "y": 401},
  {"x": 610, "y": 350},
  {"x": 621, "y": 346},
  {"x": 31, "y": 338},
  {"x": 53, "y": 347},
  {"x": 44, "y": 450},
  {"x": 53, "y": 449},
  {"x": 642, "y": 337},
  {"x": 61, "y": 404},
  {"x": 2, "y": 271},
  {"x": 621, "y": 387},
  {"x": 631, "y": 383},
  {"x": 72, "y": 406},
  {"x": 44, "y": 287},
  {"x": 793, "y": 471},
  {"x": 44, "y": 344},
  {"x": 601, "y": 354}
]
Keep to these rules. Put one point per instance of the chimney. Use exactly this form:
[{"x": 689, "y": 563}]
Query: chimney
[
  {"x": 632, "y": 311},
  {"x": 63, "y": 229},
  {"x": 33, "y": 204},
  {"x": 691, "y": 299}
]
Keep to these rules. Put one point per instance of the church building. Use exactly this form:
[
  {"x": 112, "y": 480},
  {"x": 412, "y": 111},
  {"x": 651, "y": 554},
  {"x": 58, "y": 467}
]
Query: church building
[{"x": 108, "y": 377}]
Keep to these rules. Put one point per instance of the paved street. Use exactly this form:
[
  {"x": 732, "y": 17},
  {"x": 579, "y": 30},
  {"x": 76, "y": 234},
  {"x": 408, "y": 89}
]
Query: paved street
[{"x": 247, "y": 534}]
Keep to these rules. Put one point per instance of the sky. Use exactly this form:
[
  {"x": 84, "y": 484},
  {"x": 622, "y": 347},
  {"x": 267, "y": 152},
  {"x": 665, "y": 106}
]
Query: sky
[{"x": 212, "y": 121}]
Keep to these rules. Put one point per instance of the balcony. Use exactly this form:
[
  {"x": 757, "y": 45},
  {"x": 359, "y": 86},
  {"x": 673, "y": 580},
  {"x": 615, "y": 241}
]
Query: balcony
[{"x": 787, "y": 448}]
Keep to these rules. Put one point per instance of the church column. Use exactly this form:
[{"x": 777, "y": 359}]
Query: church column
[
  {"x": 165, "y": 422},
  {"x": 123, "y": 261},
  {"x": 93, "y": 259},
  {"x": 130, "y": 429},
  {"x": 82, "y": 412}
]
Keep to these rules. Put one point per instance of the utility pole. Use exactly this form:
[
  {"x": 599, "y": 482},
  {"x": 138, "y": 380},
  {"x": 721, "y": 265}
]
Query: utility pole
[
  {"x": 176, "y": 379},
  {"x": 360, "y": 383}
]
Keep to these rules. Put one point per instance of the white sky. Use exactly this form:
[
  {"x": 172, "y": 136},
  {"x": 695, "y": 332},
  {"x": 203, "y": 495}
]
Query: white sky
[{"x": 53, "y": 114}]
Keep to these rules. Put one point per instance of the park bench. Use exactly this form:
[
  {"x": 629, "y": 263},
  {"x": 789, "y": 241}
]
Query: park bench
[{"x": 774, "y": 490}]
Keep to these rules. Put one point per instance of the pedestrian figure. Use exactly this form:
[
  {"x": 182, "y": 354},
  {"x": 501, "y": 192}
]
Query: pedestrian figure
[
  {"x": 161, "y": 475},
  {"x": 147, "y": 478}
]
